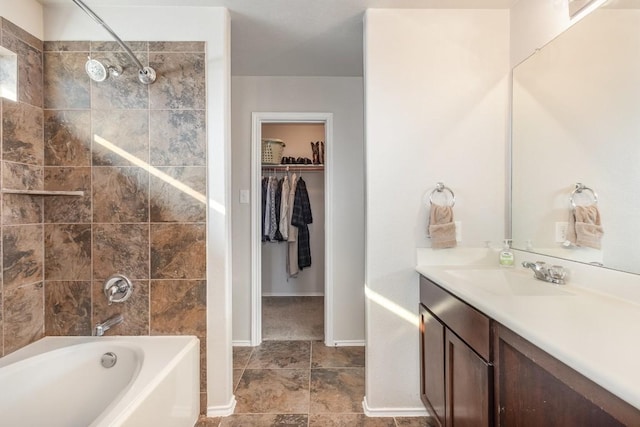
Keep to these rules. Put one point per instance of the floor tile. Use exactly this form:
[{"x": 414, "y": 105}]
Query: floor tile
[
  {"x": 336, "y": 390},
  {"x": 241, "y": 356},
  {"x": 203, "y": 421},
  {"x": 273, "y": 391},
  {"x": 280, "y": 355},
  {"x": 336, "y": 357},
  {"x": 264, "y": 420},
  {"x": 237, "y": 374},
  {"x": 348, "y": 420},
  {"x": 415, "y": 422}
]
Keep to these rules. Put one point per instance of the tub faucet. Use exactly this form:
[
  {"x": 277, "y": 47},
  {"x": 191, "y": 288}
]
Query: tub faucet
[
  {"x": 103, "y": 327},
  {"x": 554, "y": 274}
]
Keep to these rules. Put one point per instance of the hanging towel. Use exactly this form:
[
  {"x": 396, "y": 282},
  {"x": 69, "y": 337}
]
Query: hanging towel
[
  {"x": 301, "y": 218},
  {"x": 585, "y": 227},
  {"x": 442, "y": 229}
]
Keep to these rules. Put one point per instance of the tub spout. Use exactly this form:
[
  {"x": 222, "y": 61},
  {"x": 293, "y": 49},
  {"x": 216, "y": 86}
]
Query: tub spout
[{"x": 103, "y": 327}]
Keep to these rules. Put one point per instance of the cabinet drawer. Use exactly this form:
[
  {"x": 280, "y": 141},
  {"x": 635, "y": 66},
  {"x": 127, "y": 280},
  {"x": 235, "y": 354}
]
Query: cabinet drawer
[{"x": 465, "y": 321}]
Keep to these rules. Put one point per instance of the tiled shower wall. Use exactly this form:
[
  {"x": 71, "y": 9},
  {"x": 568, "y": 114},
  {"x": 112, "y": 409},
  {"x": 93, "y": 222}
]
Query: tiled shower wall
[
  {"x": 21, "y": 288},
  {"x": 139, "y": 154}
]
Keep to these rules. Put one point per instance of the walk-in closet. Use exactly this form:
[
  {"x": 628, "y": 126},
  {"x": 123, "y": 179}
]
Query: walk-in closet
[{"x": 293, "y": 231}]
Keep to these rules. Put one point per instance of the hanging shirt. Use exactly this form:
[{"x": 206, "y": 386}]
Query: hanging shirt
[
  {"x": 301, "y": 218},
  {"x": 284, "y": 209},
  {"x": 292, "y": 238}
]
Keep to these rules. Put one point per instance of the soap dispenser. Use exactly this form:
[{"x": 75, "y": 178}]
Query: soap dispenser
[{"x": 506, "y": 255}]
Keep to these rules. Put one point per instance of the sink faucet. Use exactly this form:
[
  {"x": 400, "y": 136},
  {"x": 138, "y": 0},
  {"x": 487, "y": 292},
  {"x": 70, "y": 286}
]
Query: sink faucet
[
  {"x": 103, "y": 327},
  {"x": 554, "y": 274}
]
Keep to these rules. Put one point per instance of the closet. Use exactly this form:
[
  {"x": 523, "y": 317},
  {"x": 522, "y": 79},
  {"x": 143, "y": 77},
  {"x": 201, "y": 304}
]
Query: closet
[{"x": 293, "y": 304}]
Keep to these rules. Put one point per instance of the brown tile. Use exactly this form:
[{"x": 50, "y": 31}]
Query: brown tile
[
  {"x": 336, "y": 357},
  {"x": 237, "y": 374},
  {"x": 241, "y": 356},
  {"x": 416, "y": 422},
  {"x": 178, "y": 251},
  {"x": 135, "y": 310},
  {"x": 23, "y": 255},
  {"x": 203, "y": 404},
  {"x": 66, "y": 84},
  {"x": 21, "y": 34},
  {"x": 273, "y": 391},
  {"x": 19, "y": 176},
  {"x": 349, "y": 420},
  {"x": 1, "y": 323},
  {"x": 67, "y": 252},
  {"x": 178, "y": 307},
  {"x": 112, "y": 46},
  {"x": 177, "y": 46},
  {"x": 67, "y": 138},
  {"x": 30, "y": 87},
  {"x": 21, "y": 209},
  {"x": 122, "y": 92},
  {"x": 67, "y": 308},
  {"x": 23, "y": 316},
  {"x": 281, "y": 354},
  {"x": 120, "y": 131},
  {"x": 22, "y": 133},
  {"x": 120, "y": 194},
  {"x": 180, "y": 83},
  {"x": 264, "y": 420},
  {"x": 203, "y": 421},
  {"x": 203, "y": 363},
  {"x": 67, "y": 209},
  {"x": 121, "y": 249},
  {"x": 66, "y": 46},
  {"x": 337, "y": 390},
  {"x": 178, "y": 194},
  {"x": 178, "y": 138}
]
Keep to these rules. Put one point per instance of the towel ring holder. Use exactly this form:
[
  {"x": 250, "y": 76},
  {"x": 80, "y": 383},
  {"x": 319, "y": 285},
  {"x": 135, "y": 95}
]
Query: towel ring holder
[
  {"x": 580, "y": 187},
  {"x": 440, "y": 187}
]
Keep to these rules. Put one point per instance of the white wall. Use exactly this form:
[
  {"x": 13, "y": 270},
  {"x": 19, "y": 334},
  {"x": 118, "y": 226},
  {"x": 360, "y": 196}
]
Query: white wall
[
  {"x": 210, "y": 24},
  {"x": 26, "y": 14},
  {"x": 436, "y": 84},
  {"x": 342, "y": 96}
]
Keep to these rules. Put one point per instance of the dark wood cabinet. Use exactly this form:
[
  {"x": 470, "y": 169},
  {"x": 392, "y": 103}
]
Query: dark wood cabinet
[
  {"x": 534, "y": 389},
  {"x": 456, "y": 376}
]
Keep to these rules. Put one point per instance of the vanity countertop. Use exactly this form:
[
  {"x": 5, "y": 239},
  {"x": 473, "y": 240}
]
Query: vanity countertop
[{"x": 594, "y": 333}]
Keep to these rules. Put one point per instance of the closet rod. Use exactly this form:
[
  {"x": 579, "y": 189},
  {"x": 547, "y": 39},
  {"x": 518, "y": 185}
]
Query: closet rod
[{"x": 293, "y": 168}]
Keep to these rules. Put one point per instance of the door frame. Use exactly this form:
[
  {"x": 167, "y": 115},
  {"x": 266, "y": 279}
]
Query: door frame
[{"x": 257, "y": 119}]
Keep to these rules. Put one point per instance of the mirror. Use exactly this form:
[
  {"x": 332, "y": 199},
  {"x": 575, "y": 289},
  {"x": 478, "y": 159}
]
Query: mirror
[{"x": 576, "y": 119}]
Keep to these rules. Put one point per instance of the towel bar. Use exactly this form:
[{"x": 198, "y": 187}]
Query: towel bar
[
  {"x": 440, "y": 187},
  {"x": 580, "y": 187}
]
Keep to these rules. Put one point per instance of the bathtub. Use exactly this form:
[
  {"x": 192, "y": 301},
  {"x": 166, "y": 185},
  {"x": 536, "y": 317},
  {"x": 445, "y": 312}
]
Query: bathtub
[{"x": 61, "y": 381}]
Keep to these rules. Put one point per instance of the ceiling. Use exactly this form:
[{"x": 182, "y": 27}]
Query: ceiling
[{"x": 298, "y": 37}]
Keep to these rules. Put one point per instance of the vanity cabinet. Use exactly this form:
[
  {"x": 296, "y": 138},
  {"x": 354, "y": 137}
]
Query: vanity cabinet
[{"x": 456, "y": 375}]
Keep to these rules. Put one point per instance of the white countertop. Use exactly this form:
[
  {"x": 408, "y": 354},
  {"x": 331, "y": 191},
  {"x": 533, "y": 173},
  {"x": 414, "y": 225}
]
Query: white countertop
[{"x": 596, "y": 334}]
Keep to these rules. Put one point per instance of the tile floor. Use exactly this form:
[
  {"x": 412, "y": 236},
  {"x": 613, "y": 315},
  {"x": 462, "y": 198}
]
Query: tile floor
[{"x": 302, "y": 384}]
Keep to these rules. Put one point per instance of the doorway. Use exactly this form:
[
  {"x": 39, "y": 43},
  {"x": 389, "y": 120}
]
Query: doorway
[{"x": 307, "y": 289}]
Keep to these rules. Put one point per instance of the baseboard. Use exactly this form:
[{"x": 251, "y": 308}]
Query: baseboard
[
  {"x": 393, "y": 412},
  {"x": 348, "y": 343},
  {"x": 293, "y": 294},
  {"x": 222, "y": 411},
  {"x": 241, "y": 343}
]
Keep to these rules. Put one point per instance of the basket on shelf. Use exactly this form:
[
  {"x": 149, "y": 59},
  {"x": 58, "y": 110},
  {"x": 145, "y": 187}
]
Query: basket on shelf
[{"x": 272, "y": 151}]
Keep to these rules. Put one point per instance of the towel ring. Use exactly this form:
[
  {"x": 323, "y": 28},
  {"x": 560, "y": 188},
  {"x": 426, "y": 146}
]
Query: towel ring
[
  {"x": 580, "y": 187},
  {"x": 440, "y": 187}
]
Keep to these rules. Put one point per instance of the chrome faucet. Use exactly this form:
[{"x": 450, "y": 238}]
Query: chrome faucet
[
  {"x": 103, "y": 327},
  {"x": 554, "y": 274}
]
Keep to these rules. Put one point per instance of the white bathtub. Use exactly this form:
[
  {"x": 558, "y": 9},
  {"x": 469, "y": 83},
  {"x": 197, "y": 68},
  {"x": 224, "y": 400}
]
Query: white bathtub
[{"x": 60, "y": 381}]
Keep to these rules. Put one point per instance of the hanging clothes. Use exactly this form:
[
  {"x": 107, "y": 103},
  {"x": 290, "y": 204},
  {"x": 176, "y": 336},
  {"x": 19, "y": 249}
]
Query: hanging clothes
[
  {"x": 292, "y": 238},
  {"x": 265, "y": 185},
  {"x": 283, "y": 226},
  {"x": 301, "y": 217},
  {"x": 277, "y": 201}
]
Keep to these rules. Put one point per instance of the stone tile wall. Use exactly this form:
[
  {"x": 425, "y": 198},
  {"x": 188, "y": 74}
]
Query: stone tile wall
[
  {"x": 21, "y": 216},
  {"x": 139, "y": 154}
]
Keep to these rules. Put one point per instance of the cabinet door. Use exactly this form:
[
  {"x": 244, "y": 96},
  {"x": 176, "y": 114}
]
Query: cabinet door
[
  {"x": 468, "y": 385},
  {"x": 432, "y": 363}
]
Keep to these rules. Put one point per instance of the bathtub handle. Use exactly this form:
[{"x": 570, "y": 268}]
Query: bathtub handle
[{"x": 118, "y": 288}]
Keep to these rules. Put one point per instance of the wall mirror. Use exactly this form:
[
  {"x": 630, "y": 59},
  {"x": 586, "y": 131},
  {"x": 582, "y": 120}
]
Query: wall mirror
[{"x": 576, "y": 119}]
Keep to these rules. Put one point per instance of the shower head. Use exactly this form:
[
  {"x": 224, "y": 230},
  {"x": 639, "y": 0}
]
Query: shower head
[{"x": 98, "y": 71}]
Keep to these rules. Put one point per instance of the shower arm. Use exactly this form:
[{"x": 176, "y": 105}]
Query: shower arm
[{"x": 145, "y": 74}]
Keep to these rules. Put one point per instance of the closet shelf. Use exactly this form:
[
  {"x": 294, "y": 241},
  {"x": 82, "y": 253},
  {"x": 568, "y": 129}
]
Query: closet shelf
[
  {"x": 293, "y": 167},
  {"x": 42, "y": 192}
]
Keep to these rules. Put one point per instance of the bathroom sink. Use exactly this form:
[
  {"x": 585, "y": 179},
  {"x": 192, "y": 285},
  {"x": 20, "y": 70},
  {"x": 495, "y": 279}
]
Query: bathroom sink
[{"x": 504, "y": 282}]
